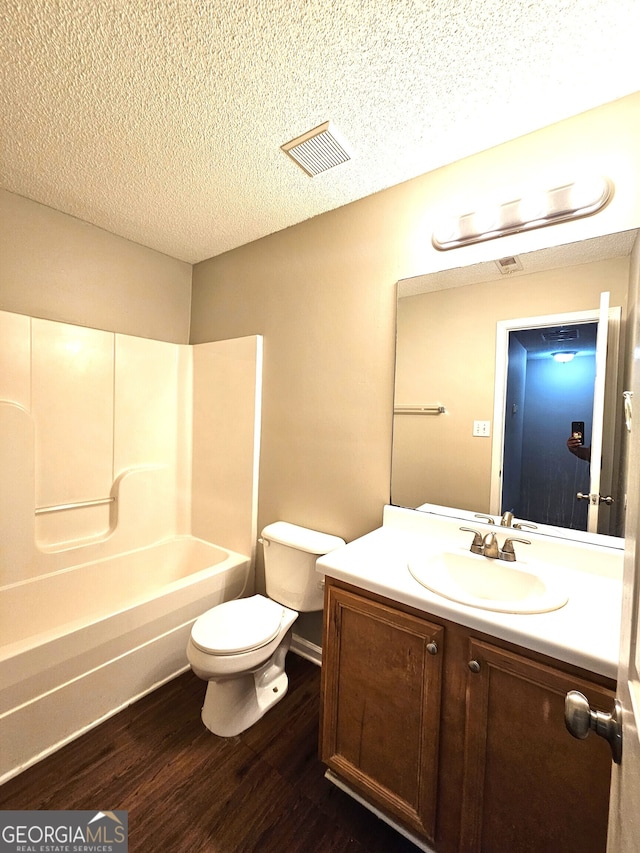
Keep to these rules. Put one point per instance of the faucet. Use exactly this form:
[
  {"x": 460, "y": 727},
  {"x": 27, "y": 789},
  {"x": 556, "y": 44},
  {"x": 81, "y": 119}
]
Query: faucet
[
  {"x": 521, "y": 524},
  {"x": 476, "y": 546},
  {"x": 488, "y": 546},
  {"x": 507, "y": 553},
  {"x": 507, "y": 521}
]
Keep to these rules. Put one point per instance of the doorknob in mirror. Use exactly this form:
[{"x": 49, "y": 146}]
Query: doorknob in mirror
[{"x": 595, "y": 499}]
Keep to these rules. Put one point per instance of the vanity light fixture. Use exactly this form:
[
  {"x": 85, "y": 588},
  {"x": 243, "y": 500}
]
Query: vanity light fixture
[
  {"x": 571, "y": 201},
  {"x": 565, "y": 356}
]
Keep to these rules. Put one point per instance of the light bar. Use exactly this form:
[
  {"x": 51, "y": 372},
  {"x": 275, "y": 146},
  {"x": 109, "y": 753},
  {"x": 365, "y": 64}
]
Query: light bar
[{"x": 571, "y": 201}]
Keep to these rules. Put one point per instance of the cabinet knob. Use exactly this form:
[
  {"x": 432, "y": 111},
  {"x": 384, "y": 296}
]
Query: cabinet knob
[
  {"x": 432, "y": 648},
  {"x": 474, "y": 666}
]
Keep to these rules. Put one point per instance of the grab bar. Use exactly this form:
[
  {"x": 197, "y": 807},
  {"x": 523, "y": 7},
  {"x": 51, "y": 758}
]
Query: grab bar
[
  {"x": 41, "y": 510},
  {"x": 436, "y": 409}
]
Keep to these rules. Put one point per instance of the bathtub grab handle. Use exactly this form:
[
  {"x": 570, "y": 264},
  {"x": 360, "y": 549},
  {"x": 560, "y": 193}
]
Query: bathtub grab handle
[{"x": 41, "y": 510}]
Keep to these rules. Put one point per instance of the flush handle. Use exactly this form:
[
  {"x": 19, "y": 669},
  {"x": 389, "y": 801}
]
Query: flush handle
[{"x": 580, "y": 719}]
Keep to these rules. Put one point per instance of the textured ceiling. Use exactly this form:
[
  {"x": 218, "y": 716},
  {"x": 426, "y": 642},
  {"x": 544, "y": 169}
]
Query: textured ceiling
[{"x": 162, "y": 120}]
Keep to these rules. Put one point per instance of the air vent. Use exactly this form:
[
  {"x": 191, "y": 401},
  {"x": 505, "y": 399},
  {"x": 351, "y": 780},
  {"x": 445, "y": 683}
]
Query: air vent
[
  {"x": 318, "y": 150},
  {"x": 509, "y": 264},
  {"x": 557, "y": 336}
]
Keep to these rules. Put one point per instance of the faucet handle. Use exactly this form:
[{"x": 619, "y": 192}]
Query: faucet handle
[
  {"x": 519, "y": 525},
  {"x": 486, "y": 518},
  {"x": 508, "y": 553},
  {"x": 477, "y": 544}
]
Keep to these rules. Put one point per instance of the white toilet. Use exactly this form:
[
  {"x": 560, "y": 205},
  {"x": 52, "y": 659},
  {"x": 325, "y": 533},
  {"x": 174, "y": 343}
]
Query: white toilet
[{"x": 240, "y": 646}]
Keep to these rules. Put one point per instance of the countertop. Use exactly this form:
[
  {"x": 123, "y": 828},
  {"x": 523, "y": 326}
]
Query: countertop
[{"x": 584, "y": 632}]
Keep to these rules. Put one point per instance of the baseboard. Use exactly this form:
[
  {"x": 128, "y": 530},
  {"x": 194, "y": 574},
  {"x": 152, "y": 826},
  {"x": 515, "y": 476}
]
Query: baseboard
[
  {"x": 420, "y": 843},
  {"x": 306, "y": 649}
]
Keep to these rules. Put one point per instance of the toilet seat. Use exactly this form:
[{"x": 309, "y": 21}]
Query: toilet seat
[{"x": 238, "y": 626}]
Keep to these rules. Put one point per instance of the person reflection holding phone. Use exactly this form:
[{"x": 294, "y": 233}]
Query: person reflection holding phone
[{"x": 575, "y": 446}]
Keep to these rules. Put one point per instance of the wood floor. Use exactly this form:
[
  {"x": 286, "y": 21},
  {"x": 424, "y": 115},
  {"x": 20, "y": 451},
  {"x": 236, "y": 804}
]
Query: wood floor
[{"x": 188, "y": 790}]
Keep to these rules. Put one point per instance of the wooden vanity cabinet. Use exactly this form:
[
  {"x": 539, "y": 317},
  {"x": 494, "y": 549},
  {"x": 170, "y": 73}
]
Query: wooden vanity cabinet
[
  {"x": 474, "y": 759},
  {"x": 528, "y": 786},
  {"x": 381, "y": 708}
]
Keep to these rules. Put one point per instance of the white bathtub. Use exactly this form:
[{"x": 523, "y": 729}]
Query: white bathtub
[{"x": 78, "y": 645}]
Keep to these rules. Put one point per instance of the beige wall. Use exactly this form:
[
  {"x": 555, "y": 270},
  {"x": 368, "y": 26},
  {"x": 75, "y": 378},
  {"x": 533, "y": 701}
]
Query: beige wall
[
  {"x": 60, "y": 268},
  {"x": 322, "y": 294},
  {"x": 446, "y": 354},
  {"x": 227, "y": 394}
]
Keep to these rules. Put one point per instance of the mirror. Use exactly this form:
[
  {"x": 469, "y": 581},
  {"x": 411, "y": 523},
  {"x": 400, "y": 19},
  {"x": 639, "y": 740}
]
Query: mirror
[{"x": 447, "y": 329}]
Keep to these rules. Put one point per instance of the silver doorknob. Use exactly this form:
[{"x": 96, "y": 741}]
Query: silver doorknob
[
  {"x": 432, "y": 648},
  {"x": 474, "y": 665},
  {"x": 595, "y": 499},
  {"x": 580, "y": 719}
]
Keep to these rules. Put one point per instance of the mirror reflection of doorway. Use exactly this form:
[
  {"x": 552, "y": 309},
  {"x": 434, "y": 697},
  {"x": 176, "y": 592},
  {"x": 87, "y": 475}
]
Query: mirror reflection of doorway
[{"x": 550, "y": 384}]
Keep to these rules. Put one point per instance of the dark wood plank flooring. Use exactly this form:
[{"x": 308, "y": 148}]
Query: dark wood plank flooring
[{"x": 187, "y": 790}]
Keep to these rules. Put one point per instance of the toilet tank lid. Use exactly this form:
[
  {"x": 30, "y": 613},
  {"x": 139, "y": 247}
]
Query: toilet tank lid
[{"x": 311, "y": 541}]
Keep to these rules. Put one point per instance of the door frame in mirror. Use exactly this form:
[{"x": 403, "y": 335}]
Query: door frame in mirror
[{"x": 503, "y": 330}]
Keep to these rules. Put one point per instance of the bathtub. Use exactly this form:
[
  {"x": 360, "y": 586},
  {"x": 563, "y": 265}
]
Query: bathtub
[{"x": 80, "y": 644}]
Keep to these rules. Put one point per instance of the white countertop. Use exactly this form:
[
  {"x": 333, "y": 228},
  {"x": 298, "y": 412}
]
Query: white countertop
[{"x": 585, "y": 632}]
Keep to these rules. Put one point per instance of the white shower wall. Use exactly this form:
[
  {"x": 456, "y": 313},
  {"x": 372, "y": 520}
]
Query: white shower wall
[{"x": 87, "y": 415}]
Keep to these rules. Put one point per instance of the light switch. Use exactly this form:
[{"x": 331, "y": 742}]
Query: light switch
[{"x": 482, "y": 428}]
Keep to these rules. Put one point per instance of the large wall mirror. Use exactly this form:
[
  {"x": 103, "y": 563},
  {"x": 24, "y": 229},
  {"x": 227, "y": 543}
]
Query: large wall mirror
[{"x": 461, "y": 439}]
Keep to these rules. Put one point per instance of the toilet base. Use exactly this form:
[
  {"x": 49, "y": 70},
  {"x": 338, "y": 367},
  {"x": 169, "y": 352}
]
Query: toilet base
[{"x": 232, "y": 705}]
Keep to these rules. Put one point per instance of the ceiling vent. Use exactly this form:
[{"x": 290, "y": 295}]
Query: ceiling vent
[
  {"x": 557, "y": 336},
  {"x": 318, "y": 150},
  {"x": 509, "y": 264}
]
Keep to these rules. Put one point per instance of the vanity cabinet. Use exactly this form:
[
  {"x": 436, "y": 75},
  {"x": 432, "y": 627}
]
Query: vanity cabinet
[
  {"x": 382, "y": 675},
  {"x": 527, "y": 784},
  {"x": 456, "y": 735}
]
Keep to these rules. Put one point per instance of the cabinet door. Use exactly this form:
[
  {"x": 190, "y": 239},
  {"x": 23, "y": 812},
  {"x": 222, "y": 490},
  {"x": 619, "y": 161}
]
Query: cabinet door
[
  {"x": 528, "y": 784},
  {"x": 381, "y": 705}
]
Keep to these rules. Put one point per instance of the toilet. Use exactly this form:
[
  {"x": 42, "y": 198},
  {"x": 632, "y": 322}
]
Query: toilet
[{"x": 240, "y": 646}]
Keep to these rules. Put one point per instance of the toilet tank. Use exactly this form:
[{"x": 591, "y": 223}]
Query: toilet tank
[{"x": 290, "y": 554}]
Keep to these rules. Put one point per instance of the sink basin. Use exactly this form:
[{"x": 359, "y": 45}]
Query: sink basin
[{"x": 496, "y": 585}]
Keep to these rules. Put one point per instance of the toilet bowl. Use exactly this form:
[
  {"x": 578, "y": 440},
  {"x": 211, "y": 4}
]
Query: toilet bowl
[{"x": 240, "y": 646}]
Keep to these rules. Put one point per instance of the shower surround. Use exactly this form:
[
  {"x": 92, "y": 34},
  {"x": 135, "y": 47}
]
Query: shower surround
[{"x": 124, "y": 459}]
